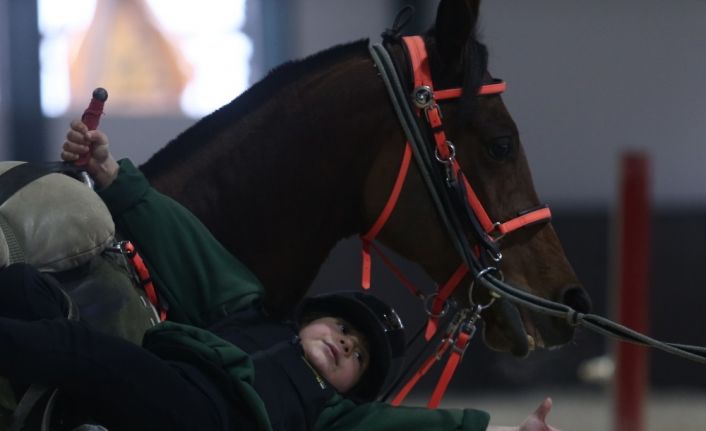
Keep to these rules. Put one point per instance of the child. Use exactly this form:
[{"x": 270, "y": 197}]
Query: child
[
  {"x": 343, "y": 343},
  {"x": 221, "y": 362}
]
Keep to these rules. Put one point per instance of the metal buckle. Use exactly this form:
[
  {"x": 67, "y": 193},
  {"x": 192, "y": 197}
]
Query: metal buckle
[
  {"x": 480, "y": 307},
  {"x": 120, "y": 247},
  {"x": 470, "y": 329},
  {"x": 452, "y": 154},
  {"x": 448, "y": 162},
  {"x": 449, "y": 337},
  {"x": 423, "y": 96},
  {"x": 468, "y": 326},
  {"x": 428, "y": 305}
]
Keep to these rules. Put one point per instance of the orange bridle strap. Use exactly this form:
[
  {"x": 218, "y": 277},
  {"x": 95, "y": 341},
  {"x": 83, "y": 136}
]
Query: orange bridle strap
[{"x": 384, "y": 215}]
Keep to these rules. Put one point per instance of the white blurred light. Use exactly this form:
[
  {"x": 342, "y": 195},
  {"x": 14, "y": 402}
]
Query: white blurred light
[
  {"x": 218, "y": 78},
  {"x": 206, "y": 31},
  {"x": 65, "y": 15},
  {"x": 210, "y": 40},
  {"x": 55, "y": 93},
  {"x": 199, "y": 17},
  {"x": 57, "y": 21}
]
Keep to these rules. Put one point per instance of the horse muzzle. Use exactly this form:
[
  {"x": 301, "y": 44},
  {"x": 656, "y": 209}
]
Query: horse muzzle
[{"x": 519, "y": 331}]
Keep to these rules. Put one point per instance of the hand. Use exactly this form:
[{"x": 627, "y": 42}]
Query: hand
[
  {"x": 537, "y": 420},
  {"x": 101, "y": 164},
  {"x": 534, "y": 422}
]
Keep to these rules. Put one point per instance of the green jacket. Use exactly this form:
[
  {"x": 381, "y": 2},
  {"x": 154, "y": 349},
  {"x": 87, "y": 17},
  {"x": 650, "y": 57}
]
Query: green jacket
[{"x": 203, "y": 282}]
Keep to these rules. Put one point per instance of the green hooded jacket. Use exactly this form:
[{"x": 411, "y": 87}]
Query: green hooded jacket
[{"x": 202, "y": 282}]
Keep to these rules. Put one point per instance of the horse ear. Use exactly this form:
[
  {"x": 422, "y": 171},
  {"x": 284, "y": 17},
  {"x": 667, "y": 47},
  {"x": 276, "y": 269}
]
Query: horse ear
[{"x": 455, "y": 22}]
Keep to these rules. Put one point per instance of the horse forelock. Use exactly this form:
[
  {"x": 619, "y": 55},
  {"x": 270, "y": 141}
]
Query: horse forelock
[{"x": 227, "y": 116}]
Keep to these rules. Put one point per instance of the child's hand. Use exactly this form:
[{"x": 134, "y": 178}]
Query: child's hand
[
  {"x": 534, "y": 422},
  {"x": 80, "y": 141},
  {"x": 537, "y": 421}
]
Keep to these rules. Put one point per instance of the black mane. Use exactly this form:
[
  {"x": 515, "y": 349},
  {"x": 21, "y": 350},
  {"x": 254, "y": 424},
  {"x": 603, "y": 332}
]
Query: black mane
[{"x": 205, "y": 129}]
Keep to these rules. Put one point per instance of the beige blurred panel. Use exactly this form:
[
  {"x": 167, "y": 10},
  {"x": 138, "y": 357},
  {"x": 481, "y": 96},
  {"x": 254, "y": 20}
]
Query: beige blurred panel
[{"x": 125, "y": 52}]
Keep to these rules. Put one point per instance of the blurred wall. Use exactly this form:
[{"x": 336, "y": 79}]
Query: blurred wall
[
  {"x": 19, "y": 59},
  {"x": 587, "y": 80},
  {"x": 4, "y": 80}
]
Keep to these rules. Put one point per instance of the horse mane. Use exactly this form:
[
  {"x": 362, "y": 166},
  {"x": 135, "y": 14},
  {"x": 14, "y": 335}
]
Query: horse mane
[{"x": 207, "y": 127}]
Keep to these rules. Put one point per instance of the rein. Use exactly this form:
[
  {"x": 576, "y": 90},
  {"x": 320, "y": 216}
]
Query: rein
[{"x": 452, "y": 195}]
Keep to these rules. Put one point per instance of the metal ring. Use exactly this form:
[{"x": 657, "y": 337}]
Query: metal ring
[
  {"x": 452, "y": 155},
  {"x": 493, "y": 295},
  {"x": 484, "y": 271},
  {"x": 427, "y": 307}
]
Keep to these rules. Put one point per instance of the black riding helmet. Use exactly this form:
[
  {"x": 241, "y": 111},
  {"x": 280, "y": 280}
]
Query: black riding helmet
[{"x": 381, "y": 326}]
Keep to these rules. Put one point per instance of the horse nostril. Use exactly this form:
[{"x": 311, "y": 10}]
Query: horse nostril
[{"x": 576, "y": 297}]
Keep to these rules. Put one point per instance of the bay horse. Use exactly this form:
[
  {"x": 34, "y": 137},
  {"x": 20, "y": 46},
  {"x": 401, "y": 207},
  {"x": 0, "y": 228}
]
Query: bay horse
[{"x": 308, "y": 157}]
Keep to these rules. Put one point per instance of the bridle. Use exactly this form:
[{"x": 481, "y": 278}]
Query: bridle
[
  {"x": 459, "y": 207},
  {"x": 435, "y": 155}
]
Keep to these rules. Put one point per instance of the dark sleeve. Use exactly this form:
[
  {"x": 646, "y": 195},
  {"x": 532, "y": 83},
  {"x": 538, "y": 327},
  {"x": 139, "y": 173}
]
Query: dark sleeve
[
  {"x": 344, "y": 415},
  {"x": 197, "y": 276}
]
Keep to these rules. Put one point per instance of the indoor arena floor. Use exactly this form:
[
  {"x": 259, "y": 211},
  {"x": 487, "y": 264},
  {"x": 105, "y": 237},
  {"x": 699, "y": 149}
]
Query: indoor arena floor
[{"x": 578, "y": 411}]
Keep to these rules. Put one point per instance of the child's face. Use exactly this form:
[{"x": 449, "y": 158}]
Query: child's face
[{"x": 336, "y": 350}]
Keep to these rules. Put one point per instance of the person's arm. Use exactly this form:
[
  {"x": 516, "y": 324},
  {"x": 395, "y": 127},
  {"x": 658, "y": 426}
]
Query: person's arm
[
  {"x": 199, "y": 278},
  {"x": 342, "y": 414}
]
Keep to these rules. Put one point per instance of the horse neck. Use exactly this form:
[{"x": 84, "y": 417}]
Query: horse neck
[{"x": 284, "y": 183}]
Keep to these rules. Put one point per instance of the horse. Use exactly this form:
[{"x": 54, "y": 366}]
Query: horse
[{"x": 308, "y": 156}]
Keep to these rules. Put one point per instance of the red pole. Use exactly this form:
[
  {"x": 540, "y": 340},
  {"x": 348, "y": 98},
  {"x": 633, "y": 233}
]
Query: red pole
[{"x": 631, "y": 373}]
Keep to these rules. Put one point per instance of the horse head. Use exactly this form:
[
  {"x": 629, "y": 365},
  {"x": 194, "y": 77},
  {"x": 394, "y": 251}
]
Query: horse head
[
  {"x": 307, "y": 157},
  {"x": 488, "y": 149}
]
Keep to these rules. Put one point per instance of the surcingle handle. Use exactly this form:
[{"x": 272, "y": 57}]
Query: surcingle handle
[{"x": 92, "y": 116}]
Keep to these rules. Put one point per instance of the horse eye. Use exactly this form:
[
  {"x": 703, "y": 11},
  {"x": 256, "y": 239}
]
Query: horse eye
[{"x": 501, "y": 148}]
